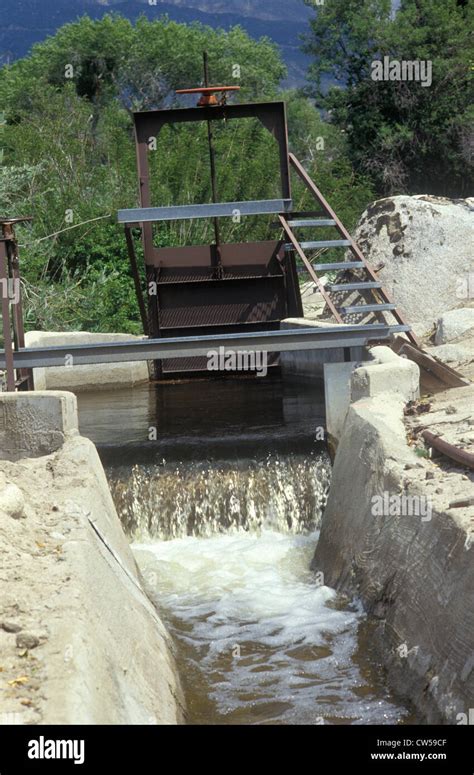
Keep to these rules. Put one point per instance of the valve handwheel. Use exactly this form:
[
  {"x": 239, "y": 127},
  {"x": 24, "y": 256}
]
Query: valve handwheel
[{"x": 208, "y": 94}]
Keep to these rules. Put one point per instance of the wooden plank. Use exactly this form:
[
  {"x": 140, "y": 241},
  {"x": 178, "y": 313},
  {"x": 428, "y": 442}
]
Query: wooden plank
[{"x": 429, "y": 363}]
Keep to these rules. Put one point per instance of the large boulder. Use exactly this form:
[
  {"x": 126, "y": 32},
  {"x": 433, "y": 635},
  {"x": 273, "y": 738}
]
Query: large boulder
[
  {"x": 422, "y": 246},
  {"x": 454, "y": 338},
  {"x": 454, "y": 324}
]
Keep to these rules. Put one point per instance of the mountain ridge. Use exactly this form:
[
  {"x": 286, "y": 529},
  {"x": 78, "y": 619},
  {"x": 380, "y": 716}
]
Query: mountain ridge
[{"x": 26, "y": 22}]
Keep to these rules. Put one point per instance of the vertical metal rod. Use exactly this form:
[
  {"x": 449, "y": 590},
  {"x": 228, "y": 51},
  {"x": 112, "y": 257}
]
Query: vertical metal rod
[
  {"x": 25, "y": 376},
  {"x": 212, "y": 158},
  {"x": 25, "y": 379},
  {"x": 152, "y": 276},
  {"x": 7, "y": 334},
  {"x": 14, "y": 274},
  {"x": 136, "y": 280}
]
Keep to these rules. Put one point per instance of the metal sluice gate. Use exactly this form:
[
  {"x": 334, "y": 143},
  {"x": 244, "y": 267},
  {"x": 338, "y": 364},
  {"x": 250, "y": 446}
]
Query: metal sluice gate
[
  {"x": 222, "y": 288},
  {"x": 199, "y": 298}
]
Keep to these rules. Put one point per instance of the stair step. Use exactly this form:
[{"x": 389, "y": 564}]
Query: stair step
[
  {"x": 335, "y": 287},
  {"x": 339, "y": 265},
  {"x": 312, "y": 222},
  {"x": 331, "y": 243},
  {"x": 363, "y": 308}
]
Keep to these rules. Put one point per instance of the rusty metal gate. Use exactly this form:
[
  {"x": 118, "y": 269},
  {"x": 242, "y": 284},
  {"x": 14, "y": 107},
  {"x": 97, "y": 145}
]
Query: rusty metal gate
[{"x": 220, "y": 288}]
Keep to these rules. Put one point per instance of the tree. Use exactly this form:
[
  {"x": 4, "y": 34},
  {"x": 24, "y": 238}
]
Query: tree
[
  {"x": 407, "y": 136},
  {"x": 141, "y": 65},
  {"x": 69, "y": 156}
]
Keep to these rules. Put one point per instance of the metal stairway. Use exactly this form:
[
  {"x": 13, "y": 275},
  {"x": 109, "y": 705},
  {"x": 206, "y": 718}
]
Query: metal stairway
[{"x": 357, "y": 296}]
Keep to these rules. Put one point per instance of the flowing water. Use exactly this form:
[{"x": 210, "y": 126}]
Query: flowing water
[
  {"x": 180, "y": 498},
  {"x": 223, "y": 508}
]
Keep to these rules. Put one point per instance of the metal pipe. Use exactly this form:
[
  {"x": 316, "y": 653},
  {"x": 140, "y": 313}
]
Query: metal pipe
[
  {"x": 458, "y": 455},
  {"x": 212, "y": 157},
  {"x": 136, "y": 280},
  {"x": 7, "y": 334}
]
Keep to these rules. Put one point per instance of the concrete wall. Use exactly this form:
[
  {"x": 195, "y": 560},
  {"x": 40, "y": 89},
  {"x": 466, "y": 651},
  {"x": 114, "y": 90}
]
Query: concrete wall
[
  {"x": 413, "y": 573},
  {"x": 345, "y": 383},
  {"x": 75, "y": 623},
  {"x": 35, "y": 424},
  {"x": 104, "y": 376},
  {"x": 337, "y": 396}
]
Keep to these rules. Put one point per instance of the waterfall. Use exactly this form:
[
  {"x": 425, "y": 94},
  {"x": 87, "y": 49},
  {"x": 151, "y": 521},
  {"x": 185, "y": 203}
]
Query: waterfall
[{"x": 285, "y": 494}]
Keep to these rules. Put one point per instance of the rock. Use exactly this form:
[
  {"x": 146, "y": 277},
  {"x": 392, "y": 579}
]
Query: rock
[
  {"x": 424, "y": 243},
  {"x": 11, "y": 627},
  {"x": 453, "y": 353},
  {"x": 313, "y": 302},
  {"x": 453, "y": 324},
  {"x": 57, "y": 536},
  {"x": 12, "y": 501},
  {"x": 26, "y": 640}
]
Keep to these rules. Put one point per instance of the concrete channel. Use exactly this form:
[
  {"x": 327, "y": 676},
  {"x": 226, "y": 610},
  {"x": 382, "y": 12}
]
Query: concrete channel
[{"x": 398, "y": 581}]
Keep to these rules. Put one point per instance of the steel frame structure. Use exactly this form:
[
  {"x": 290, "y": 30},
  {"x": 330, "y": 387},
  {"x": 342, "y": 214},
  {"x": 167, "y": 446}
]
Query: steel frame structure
[
  {"x": 329, "y": 337},
  {"x": 217, "y": 288}
]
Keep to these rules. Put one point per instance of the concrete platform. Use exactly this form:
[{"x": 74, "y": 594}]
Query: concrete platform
[{"x": 107, "y": 376}]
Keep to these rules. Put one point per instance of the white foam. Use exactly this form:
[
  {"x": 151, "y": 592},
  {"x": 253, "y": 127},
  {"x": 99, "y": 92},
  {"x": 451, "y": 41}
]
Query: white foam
[{"x": 252, "y": 594}]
